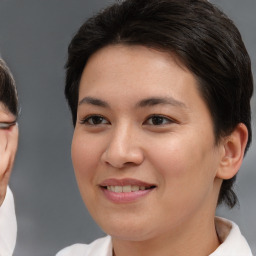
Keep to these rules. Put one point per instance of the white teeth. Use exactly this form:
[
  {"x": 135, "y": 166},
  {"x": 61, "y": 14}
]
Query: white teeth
[
  {"x": 118, "y": 189},
  {"x": 135, "y": 188},
  {"x": 127, "y": 188}
]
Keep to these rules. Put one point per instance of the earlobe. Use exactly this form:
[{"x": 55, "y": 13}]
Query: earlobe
[{"x": 233, "y": 152}]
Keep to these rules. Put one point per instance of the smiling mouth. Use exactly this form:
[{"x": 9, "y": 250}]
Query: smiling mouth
[{"x": 127, "y": 188}]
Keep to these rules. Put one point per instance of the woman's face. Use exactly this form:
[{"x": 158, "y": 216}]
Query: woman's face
[{"x": 143, "y": 150}]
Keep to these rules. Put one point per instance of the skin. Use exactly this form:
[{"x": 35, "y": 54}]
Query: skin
[
  {"x": 176, "y": 152},
  {"x": 8, "y": 147}
]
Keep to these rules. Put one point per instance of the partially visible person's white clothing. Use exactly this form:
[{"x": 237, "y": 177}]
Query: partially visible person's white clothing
[
  {"x": 8, "y": 225},
  {"x": 99, "y": 247}
]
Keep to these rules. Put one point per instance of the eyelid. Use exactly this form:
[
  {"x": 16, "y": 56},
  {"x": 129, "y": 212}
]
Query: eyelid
[
  {"x": 85, "y": 119},
  {"x": 7, "y": 125},
  {"x": 169, "y": 119}
]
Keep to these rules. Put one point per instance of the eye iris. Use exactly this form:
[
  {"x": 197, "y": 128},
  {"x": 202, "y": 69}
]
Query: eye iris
[
  {"x": 157, "y": 120},
  {"x": 97, "y": 119}
]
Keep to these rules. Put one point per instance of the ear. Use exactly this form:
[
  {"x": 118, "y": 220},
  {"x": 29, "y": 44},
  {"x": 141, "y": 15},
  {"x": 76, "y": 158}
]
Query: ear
[{"x": 233, "y": 152}]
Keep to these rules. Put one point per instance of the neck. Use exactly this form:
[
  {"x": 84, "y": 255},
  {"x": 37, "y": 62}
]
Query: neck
[{"x": 194, "y": 239}]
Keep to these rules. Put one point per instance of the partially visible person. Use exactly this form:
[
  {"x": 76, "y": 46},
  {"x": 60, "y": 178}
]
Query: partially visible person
[{"x": 8, "y": 147}]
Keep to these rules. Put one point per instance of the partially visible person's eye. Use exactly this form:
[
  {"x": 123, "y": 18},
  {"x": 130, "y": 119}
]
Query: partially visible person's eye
[
  {"x": 158, "y": 120},
  {"x": 94, "y": 120},
  {"x": 7, "y": 125}
]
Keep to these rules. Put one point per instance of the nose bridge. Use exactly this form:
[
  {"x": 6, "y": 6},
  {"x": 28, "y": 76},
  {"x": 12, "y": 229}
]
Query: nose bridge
[
  {"x": 123, "y": 147},
  {"x": 120, "y": 137}
]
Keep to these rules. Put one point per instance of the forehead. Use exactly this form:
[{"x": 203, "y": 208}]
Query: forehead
[{"x": 138, "y": 69}]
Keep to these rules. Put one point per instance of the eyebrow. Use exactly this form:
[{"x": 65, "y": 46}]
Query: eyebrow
[
  {"x": 143, "y": 103},
  {"x": 94, "y": 101},
  {"x": 160, "y": 100}
]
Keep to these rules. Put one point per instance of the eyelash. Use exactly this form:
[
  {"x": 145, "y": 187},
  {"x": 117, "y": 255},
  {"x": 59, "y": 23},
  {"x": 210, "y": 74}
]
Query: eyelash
[
  {"x": 167, "y": 120},
  {"x": 89, "y": 120}
]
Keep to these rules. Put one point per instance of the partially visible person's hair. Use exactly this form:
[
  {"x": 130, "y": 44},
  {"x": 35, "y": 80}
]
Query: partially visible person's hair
[
  {"x": 8, "y": 92},
  {"x": 203, "y": 38}
]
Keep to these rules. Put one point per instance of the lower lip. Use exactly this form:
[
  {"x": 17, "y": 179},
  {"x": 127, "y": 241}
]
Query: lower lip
[{"x": 125, "y": 197}]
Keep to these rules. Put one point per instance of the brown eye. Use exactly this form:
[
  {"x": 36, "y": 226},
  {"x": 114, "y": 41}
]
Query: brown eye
[
  {"x": 158, "y": 120},
  {"x": 94, "y": 120}
]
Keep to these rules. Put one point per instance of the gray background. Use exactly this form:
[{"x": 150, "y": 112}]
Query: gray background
[{"x": 34, "y": 36}]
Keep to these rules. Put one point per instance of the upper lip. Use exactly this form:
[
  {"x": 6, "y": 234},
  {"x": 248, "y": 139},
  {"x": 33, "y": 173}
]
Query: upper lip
[{"x": 125, "y": 182}]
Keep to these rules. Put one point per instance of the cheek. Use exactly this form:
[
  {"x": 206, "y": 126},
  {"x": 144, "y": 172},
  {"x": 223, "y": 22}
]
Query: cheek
[
  {"x": 172, "y": 156},
  {"x": 184, "y": 164},
  {"x": 85, "y": 158}
]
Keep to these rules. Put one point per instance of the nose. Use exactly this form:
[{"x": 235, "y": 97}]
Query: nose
[{"x": 123, "y": 149}]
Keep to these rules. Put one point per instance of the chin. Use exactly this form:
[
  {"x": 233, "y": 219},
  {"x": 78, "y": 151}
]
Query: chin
[
  {"x": 127, "y": 230},
  {"x": 129, "y": 235}
]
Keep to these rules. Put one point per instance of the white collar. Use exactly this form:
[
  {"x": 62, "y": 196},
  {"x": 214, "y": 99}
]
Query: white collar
[{"x": 232, "y": 241}]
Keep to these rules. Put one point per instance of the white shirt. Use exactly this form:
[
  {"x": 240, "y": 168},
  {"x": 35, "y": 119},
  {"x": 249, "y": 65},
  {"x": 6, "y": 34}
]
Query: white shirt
[
  {"x": 8, "y": 225},
  {"x": 232, "y": 241}
]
